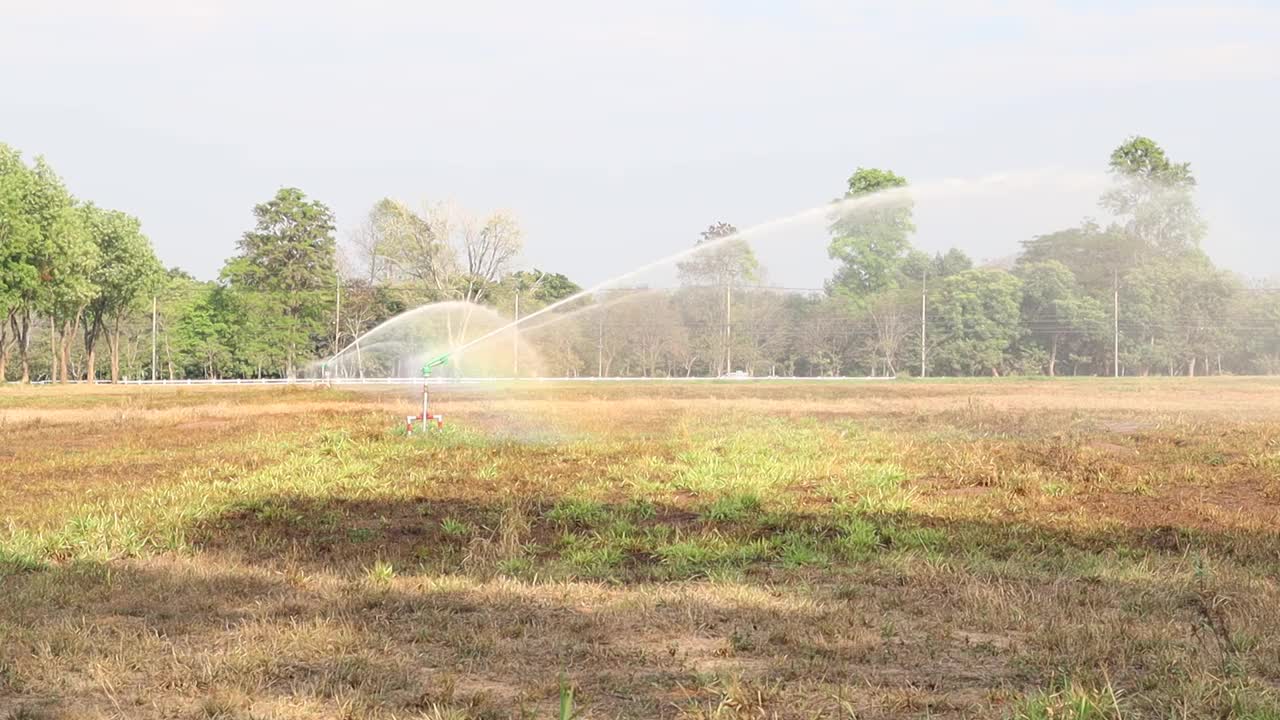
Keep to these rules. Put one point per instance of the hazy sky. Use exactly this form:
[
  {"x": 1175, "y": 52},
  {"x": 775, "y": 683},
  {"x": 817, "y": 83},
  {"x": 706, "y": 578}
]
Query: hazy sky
[{"x": 615, "y": 132}]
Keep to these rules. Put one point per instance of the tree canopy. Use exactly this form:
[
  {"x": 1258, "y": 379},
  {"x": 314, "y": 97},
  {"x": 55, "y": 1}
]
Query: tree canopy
[
  {"x": 73, "y": 273},
  {"x": 871, "y": 234}
]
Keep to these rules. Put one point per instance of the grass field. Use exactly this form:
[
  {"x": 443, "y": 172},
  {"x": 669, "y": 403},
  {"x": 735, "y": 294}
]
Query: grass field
[{"x": 1068, "y": 549}]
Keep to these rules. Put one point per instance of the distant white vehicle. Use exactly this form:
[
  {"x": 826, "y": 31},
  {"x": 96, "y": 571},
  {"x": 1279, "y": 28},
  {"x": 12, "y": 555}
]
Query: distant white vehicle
[{"x": 735, "y": 375}]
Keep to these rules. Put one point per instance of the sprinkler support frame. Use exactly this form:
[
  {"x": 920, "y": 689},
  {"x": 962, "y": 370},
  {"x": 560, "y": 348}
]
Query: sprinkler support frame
[{"x": 426, "y": 415}]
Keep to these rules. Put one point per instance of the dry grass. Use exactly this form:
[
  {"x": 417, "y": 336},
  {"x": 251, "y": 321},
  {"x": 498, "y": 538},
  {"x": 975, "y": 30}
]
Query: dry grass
[{"x": 984, "y": 549}]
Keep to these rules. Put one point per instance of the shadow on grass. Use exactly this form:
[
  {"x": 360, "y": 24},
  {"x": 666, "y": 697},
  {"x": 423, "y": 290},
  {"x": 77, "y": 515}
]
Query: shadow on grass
[
  {"x": 375, "y": 608},
  {"x": 343, "y": 533}
]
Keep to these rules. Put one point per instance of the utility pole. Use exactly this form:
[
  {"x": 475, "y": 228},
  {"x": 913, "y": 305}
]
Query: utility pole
[
  {"x": 515, "y": 339},
  {"x": 600, "y": 348},
  {"x": 728, "y": 329},
  {"x": 1115, "y": 316},
  {"x": 924, "y": 318},
  {"x": 153, "y": 338}
]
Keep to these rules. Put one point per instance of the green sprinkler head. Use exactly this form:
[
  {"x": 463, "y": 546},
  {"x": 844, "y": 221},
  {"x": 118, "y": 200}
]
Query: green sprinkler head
[{"x": 434, "y": 362}]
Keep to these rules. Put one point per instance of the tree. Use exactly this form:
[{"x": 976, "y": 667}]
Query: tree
[
  {"x": 290, "y": 255},
  {"x": 126, "y": 270},
  {"x": 488, "y": 248},
  {"x": 364, "y": 307},
  {"x": 975, "y": 321},
  {"x": 1093, "y": 254},
  {"x": 870, "y": 234},
  {"x": 721, "y": 259},
  {"x": 1257, "y": 349},
  {"x": 651, "y": 332},
  {"x": 443, "y": 251},
  {"x": 537, "y": 289},
  {"x": 1056, "y": 312},
  {"x": 177, "y": 292},
  {"x": 892, "y": 314},
  {"x": 1153, "y": 198},
  {"x": 544, "y": 287},
  {"x": 760, "y": 331},
  {"x": 64, "y": 257},
  {"x": 203, "y": 332},
  {"x": 19, "y": 237},
  {"x": 1174, "y": 314},
  {"x": 917, "y": 265},
  {"x": 823, "y": 336}
]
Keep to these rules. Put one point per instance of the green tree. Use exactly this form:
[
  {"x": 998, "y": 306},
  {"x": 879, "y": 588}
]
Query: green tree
[
  {"x": 722, "y": 259},
  {"x": 176, "y": 293},
  {"x": 1256, "y": 345},
  {"x": 126, "y": 270},
  {"x": 537, "y": 289},
  {"x": 974, "y": 321},
  {"x": 46, "y": 254},
  {"x": 19, "y": 276},
  {"x": 1153, "y": 197},
  {"x": 1094, "y": 255},
  {"x": 1173, "y": 315},
  {"x": 1056, "y": 313},
  {"x": 917, "y": 265},
  {"x": 290, "y": 257},
  {"x": 203, "y": 332},
  {"x": 870, "y": 234},
  {"x": 65, "y": 257}
]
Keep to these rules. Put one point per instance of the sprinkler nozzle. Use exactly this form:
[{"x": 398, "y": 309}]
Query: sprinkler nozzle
[{"x": 434, "y": 362}]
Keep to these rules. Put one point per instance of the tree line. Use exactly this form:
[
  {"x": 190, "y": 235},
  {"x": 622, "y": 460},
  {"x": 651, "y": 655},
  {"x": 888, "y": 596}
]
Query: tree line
[{"x": 1134, "y": 296}]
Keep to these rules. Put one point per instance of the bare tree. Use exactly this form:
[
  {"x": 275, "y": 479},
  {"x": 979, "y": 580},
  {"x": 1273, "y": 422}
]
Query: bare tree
[
  {"x": 825, "y": 338},
  {"x": 488, "y": 248},
  {"x": 893, "y": 324},
  {"x": 703, "y": 314},
  {"x": 653, "y": 329},
  {"x": 761, "y": 328},
  {"x": 442, "y": 249}
]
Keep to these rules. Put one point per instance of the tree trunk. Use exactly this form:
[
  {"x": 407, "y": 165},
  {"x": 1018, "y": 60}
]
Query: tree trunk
[
  {"x": 91, "y": 331},
  {"x": 64, "y": 348},
  {"x": 53, "y": 352},
  {"x": 113, "y": 344},
  {"x": 1053, "y": 356},
  {"x": 1191, "y": 367},
  {"x": 22, "y": 333},
  {"x": 4, "y": 350},
  {"x": 168, "y": 356}
]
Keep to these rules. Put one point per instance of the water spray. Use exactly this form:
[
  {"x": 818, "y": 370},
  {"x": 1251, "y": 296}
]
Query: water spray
[
  {"x": 426, "y": 416},
  {"x": 954, "y": 188}
]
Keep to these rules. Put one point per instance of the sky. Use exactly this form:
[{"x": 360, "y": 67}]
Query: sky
[{"x": 615, "y": 132}]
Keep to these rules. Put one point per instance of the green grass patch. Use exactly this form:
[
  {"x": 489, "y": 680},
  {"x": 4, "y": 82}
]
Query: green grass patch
[
  {"x": 700, "y": 556},
  {"x": 455, "y": 528},
  {"x": 576, "y": 512},
  {"x": 734, "y": 507},
  {"x": 1072, "y": 702}
]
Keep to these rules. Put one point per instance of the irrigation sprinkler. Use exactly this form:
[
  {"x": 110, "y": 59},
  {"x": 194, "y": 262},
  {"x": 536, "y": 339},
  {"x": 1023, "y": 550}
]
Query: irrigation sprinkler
[{"x": 426, "y": 416}]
